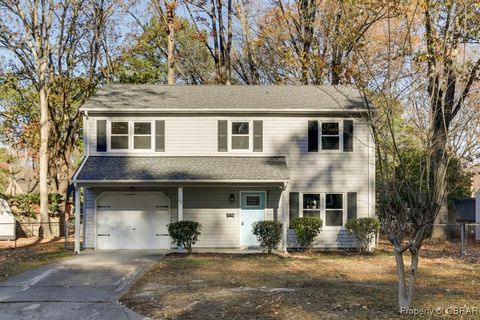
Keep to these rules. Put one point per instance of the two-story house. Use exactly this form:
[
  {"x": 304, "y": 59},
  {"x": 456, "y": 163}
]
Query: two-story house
[{"x": 225, "y": 156}]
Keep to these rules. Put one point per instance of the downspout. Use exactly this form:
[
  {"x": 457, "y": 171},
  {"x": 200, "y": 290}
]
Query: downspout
[
  {"x": 284, "y": 219},
  {"x": 77, "y": 220}
]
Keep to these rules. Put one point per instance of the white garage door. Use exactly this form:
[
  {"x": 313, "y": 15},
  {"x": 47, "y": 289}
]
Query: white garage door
[{"x": 132, "y": 221}]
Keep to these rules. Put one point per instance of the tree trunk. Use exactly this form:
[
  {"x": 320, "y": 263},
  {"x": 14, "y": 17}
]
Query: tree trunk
[
  {"x": 171, "y": 41},
  {"x": 43, "y": 155},
  {"x": 216, "y": 52},
  {"x": 405, "y": 295},
  {"x": 228, "y": 49},
  {"x": 412, "y": 278},
  {"x": 402, "y": 301},
  {"x": 441, "y": 228},
  {"x": 254, "y": 77}
]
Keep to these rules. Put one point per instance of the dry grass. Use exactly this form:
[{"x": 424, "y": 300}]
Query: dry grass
[
  {"x": 30, "y": 253},
  {"x": 320, "y": 286}
]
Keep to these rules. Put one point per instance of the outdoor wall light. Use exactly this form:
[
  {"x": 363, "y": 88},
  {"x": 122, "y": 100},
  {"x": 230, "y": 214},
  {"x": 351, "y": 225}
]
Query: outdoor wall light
[
  {"x": 132, "y": 189},
  {"x": 232, "y": 198}
]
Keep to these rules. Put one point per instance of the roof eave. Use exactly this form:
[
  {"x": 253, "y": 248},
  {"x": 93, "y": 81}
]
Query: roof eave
[
  {"x": 279, "y": 181},
  {"x": 213, "y": 111}
]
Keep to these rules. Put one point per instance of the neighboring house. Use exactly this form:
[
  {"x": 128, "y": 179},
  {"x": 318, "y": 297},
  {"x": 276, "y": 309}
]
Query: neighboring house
[
  {"x": 20, "y": 174},
  {"x": 225, "y": 156},
  {"x": 465, "y": 212},
  {"x": 7, "y": 221},
  {"x": 475, "y": 170},
  {"x": 477, "y": 215}
]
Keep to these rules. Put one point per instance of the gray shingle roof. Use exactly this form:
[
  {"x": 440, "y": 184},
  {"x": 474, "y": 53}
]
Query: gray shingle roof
[
  {"x": 236, "y": 98},
  {"x": 187, "y": 169}
]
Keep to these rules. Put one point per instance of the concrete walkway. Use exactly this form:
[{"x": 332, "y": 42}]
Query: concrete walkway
[{"x": 86, "y": 286}]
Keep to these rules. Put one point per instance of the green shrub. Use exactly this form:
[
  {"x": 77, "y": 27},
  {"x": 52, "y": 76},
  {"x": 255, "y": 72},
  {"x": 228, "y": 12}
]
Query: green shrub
[
  {"x": 27, "y": 204},
  {"x": 185, "y": 233},
  {"x": 55, "y": 202},
  {"x": 268, "y": 233},
  {"x": 364, "y": 230},
  {"x": 306, "y": 230}
]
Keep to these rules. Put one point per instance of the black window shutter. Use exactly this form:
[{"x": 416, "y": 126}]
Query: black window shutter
[
  {"x": 312, "y": 136},
  {"x": 222, "y": 135},
  {"x": 348, "y": 135},
  {"x": 294, "y": 207},
  {"x": 257, "y": 136},
  {"x": 159, "y": 135},
  {"x": 351, "y": 205},
  {"x": 101, "y": 135}
]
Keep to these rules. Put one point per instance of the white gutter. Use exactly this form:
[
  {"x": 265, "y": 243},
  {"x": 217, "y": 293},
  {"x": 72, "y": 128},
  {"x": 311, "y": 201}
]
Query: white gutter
[
  {"x": 229, "y": 111},
  {"x": 180, "y": 181}
]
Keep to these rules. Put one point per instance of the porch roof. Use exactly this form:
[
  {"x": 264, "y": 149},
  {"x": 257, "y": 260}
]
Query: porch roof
[{"x": 102, "y": 169}]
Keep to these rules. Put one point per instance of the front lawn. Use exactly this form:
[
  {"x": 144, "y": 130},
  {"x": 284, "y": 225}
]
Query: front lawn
[
  {"x": 30, "y": 253},
  {"x": 317, "y": 286}
]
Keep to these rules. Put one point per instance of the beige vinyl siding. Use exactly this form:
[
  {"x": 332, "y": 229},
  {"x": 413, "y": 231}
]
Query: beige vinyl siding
[
  {"x": 206, "y": 205},
  {"x": 283, "y": 135},
  {"x": 89, "y": 222},
  {"x": 210, "y": 206}
]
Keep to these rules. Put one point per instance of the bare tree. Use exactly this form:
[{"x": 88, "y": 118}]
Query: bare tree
[
  {"x": 250, "y": 73},
  {"x": 167, "y": 14},
  {"x": 426, "y": 72},
  {"x": 78, "y": 48},
  {"x": 221, "y": 32},
  {"x": 26, "y": 30},
  {"x": 58, "y": 45}
]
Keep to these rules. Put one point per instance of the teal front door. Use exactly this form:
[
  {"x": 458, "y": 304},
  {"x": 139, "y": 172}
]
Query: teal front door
[{"x": 252, "y": 210}]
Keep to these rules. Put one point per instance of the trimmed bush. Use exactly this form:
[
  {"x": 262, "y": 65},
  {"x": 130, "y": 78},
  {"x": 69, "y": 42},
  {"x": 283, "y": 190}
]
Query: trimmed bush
[
  {"x": 268, "y": 233},
  {"x": 306, "y": 230},
  {"x": 363, "y": 230},
  {"x": 185, "y": 233}
]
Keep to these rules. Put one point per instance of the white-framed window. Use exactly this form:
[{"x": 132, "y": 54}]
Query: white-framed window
[
  {"x": 119, "y": 132},
  {"x": 330, "y": 207},
  {"x": 311, "y": 204},
  {"x": 330, "y": 137},
  {"x": 334, "y": 210},
  {"x": 130, "y": 135},
  {"x": 142, "y": 135},
  {"x": 240, "y": 138}
]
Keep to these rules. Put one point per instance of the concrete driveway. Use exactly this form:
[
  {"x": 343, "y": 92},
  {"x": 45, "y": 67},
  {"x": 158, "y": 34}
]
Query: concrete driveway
[{"x": 86, "y": 286}]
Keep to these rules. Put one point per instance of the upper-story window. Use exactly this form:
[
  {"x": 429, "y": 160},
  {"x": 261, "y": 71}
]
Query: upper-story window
[
  {"x": 240, "y": 135},
  {"x": 142, "y": 135},
  {"x": 131, "y": 136},
  {"x": 119, "y": 135},
  {"x": 330, "y": 136}
]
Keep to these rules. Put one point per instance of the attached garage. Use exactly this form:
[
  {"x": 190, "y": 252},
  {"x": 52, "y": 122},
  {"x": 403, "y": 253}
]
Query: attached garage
[{"x": 133, "y": 220}]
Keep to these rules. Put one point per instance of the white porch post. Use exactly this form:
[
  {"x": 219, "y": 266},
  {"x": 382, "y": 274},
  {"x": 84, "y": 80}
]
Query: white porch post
[
  {"x": 77, "y": 220},
  {"x": 180, "y": 204},
  {"x": 284, "y": 221}
]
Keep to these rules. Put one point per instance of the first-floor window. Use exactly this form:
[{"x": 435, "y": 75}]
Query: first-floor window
[
  {"x": 334, "y": 209},
  {"x": 311, "y": 205}
]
